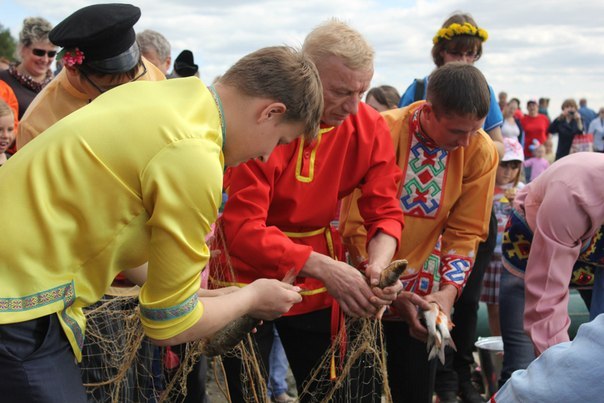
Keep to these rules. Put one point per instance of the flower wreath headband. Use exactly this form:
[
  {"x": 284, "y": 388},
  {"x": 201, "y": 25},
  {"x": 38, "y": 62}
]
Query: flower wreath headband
[{"x": 458, "y": 29}]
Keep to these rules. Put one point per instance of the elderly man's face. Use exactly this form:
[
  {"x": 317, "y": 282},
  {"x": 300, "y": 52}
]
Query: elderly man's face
[{"x": 343, "y": 89}]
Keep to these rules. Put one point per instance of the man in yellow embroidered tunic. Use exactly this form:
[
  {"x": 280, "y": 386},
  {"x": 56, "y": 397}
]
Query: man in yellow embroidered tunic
[
  {"x": 449, "y": 165},
  {"x": 136, "y": 176}
]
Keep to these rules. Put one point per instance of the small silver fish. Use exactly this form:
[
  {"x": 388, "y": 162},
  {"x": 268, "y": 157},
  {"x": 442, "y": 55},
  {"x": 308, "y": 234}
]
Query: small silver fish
[{"x": 439, "y": 335}]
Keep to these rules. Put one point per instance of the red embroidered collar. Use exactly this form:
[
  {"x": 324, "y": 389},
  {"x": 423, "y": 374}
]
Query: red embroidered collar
[{"x": 415, "y": 128}]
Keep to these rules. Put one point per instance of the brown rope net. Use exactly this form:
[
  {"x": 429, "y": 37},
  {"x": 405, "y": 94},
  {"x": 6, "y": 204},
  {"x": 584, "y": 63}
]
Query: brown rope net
[{"x": 121, "y": 365}]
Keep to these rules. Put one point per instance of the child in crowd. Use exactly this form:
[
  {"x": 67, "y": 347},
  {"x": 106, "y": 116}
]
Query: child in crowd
[
  {"x": 538, "y": 163},
  {"x": 550, "y": 154},
  {"x": 507, "y": 182},
  {"x": 7, "y": 131}
]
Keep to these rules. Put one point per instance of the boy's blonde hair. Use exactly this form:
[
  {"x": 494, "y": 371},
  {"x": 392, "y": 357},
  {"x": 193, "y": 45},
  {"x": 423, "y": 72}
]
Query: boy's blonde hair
[{"x": 286, "y": 75}]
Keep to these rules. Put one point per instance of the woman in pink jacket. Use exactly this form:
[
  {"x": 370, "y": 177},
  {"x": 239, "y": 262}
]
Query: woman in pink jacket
[{"x": 554, "y": 241}]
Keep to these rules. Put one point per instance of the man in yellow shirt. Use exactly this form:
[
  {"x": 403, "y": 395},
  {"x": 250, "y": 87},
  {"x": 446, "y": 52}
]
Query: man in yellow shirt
[
  {"x": 136, "y": 176},
  {"x": 104, "y": 37}
]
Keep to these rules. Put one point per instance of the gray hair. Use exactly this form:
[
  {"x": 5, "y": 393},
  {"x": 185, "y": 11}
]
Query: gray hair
[
  {"x": 154, "y": 40},
  {"x": 336, "y": 38}
]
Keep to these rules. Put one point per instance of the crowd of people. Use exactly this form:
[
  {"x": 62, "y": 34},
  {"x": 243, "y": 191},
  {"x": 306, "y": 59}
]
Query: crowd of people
[{"x": 485, "y": 202}]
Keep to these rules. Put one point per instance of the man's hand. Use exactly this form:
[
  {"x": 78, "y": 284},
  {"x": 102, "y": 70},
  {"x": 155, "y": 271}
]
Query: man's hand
[
  {"x": 381, "y": 249},
  {"x": 343, "y": 282},
  {"x": 270, "y": 299},
  {"x": 445, "y": 298},
  {"x": 407, "y": 306}
]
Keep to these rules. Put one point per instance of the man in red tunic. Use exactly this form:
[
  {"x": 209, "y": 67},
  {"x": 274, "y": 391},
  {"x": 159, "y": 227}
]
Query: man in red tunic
[{"x": 277, "y": 218}]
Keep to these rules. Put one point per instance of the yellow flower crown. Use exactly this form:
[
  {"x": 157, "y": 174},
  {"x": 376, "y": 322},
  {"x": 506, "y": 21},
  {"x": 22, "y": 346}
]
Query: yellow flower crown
[{"x": 458, "y": 29}]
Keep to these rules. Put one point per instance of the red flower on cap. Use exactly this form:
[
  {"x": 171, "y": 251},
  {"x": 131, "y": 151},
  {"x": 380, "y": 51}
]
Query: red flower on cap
[{"x": 72, "y": 58}]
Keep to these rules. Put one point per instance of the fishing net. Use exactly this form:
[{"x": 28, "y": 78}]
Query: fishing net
[
  {"x": 352, "y": 369},
  {"x": 121, "y": 365}
]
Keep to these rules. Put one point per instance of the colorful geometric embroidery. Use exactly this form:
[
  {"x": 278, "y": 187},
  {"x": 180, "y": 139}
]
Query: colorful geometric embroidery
[
  {"x": 593, "y": 250},
  {"x": 424, "y": 179},
  {"x": 75, "y": 329},
  {"x": 516, "y": 247},
  {"x": 429, "y": 277},
  {"x": 424, "y": 281},
  {"x": 455, "y": 269},
  {"x": 63, "y": 292},
  {"x": 160, "y": 314}
]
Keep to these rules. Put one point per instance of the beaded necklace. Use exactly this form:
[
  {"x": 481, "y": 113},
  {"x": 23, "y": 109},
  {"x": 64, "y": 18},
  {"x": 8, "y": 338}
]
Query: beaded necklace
[{"x": 27, "y": 81}]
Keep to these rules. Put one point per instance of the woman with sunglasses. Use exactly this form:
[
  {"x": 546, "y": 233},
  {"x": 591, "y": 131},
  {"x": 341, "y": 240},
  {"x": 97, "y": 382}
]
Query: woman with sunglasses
[{"x": 33, "y": 72}]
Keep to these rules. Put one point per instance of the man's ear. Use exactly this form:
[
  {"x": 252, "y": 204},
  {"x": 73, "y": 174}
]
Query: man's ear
[
  {"x": 428, "y": 110},
  {"x": 272, "y": 111}
]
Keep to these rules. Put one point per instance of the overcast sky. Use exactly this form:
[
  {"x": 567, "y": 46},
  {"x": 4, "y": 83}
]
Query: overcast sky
[{"x": 536, "y": 48}]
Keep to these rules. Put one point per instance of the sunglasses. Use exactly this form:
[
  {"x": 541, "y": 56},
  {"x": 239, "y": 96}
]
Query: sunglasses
[{"x": 42, "y": 52}]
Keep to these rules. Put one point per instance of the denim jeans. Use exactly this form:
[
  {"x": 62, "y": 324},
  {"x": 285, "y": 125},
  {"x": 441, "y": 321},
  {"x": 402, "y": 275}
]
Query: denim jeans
[
  {"x": 517, "y": 346},
  {"x": 277, "y": 367}
]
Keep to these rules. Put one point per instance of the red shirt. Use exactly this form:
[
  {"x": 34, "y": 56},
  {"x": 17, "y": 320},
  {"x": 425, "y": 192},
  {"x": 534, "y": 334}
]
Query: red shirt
[
  {"x": 279, "y": 211},
  {"x": 535, "y": 127}
]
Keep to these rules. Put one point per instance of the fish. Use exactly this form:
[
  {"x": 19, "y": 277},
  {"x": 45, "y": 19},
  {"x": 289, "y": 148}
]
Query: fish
[
  {"x": 229, "y": 336},
  {"x": 392, "y": 273},
  {"x": 388, "y": 277},
  {"x": 439, "y": 332}
]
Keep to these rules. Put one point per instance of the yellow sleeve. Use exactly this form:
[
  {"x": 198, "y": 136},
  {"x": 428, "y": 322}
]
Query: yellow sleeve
[
  {"x": 468, "y": 220},
  {"x": 181, "y": 190}
]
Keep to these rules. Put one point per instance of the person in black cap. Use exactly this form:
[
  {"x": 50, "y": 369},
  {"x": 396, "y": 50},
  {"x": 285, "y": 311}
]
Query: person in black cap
[
  {"x": 184, "y": 65},
  {"x": 99, "y": 53}
]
